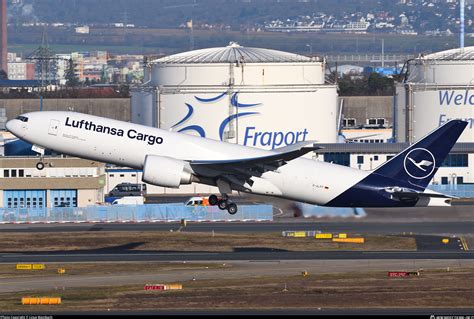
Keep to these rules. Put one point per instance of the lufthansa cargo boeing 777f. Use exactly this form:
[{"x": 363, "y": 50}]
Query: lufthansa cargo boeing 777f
[{"x": 171, "y": 159}]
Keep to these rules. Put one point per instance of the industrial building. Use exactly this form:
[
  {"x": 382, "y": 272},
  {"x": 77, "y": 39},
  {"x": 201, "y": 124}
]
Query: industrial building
[
  {"x": 251, "y": 96},
  {"x": 438, "y": 87},
  {"x": 65, "y": 182}
]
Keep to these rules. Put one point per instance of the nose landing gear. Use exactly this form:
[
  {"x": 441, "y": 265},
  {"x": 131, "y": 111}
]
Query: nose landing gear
[
  {"x": 40, "y": 150},
  {"x": 223, "y": 203},
  {"x": 40, "y": 165}
]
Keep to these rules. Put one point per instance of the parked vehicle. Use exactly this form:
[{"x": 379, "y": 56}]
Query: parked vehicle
[
  {"x": 128, "y": 189},
  {"x": 129, "y": 200},
  {"x": 197, "y": 201}
]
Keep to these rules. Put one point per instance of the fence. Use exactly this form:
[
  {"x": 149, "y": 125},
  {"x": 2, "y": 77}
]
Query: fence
[
  {"x": 134, "y": 213},
  {"x": 458, "y": 190},
  {"x": 308, "y": 210}
]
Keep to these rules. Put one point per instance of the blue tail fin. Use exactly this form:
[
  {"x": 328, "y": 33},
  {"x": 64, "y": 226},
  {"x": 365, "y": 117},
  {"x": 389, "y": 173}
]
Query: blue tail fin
[{"x": 418, "y": 163}]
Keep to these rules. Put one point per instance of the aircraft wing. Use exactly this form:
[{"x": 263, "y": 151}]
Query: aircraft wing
[{"x": 258, "y": 164}]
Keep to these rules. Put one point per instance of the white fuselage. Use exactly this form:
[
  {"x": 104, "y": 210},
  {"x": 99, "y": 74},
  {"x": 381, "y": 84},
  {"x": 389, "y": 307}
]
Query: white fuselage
[{"x": 128, "y": 144}]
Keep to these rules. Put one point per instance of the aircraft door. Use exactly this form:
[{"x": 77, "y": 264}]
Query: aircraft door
[{"x": 53, "y": 127}]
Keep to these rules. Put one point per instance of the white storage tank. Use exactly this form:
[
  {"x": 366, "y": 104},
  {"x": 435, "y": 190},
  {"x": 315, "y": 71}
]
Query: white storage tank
[
  {"x": 438, "y": 87},
  {"x": 251, "y": 96}
]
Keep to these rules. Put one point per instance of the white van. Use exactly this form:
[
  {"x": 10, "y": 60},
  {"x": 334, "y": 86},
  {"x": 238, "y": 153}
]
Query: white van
[{"x": 129, "y": 200}]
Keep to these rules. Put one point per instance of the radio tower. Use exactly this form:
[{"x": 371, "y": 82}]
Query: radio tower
[{"x": 46, "y": 62}]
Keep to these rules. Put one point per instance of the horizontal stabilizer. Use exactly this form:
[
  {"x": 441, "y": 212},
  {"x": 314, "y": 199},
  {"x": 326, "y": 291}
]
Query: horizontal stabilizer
[{"x": 404, "y": 194}]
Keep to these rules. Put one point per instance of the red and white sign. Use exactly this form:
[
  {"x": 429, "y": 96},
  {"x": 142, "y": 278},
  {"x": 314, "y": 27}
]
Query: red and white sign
[{"x": 155, "y": 287}]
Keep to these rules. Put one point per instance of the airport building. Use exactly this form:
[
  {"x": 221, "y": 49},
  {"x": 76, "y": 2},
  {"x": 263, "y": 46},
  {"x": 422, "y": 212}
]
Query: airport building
[{"x": 64, "y": 182}]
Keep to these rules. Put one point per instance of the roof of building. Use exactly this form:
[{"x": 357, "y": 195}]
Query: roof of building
[
  {"x": 231, "y": 54},
  {"x": 24, "y": 83},
  {"x": 466, "y": 53},
  {"x": 382, "y": 148}
]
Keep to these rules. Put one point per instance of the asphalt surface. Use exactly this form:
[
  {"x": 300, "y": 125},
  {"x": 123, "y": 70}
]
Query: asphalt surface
[
  {"x": 431, "y": 243},
  {"x": 251, "y": 254},
  {"x": 422, "y": 227},
  {"x": 359, "y": 312}
]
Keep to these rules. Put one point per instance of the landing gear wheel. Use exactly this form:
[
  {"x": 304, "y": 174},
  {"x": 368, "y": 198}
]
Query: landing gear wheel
[
  {"x": 213, "y": 200},
  {"x": 232, "y": 208},
  {"x": 222, "y": 204},
  {"x": 39, "y": 166}
]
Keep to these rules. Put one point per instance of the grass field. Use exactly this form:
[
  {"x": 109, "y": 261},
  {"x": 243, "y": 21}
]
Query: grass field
[
  {"x": 184, "y": 241},
  {"x": 432, "y": 289}
]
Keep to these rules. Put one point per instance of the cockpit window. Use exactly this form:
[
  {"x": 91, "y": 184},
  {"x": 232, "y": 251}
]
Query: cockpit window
[{"x": 22, "y": 118}]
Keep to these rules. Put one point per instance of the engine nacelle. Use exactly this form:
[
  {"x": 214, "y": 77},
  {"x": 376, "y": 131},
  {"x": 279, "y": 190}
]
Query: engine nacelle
[{"x": 165, "y": 171}]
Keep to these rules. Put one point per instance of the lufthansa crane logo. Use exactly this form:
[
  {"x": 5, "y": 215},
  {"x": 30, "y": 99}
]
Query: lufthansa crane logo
[{"x": 419, "y": 163}]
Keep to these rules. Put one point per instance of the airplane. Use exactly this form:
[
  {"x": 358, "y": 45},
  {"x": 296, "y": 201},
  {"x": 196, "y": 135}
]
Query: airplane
[{"x": 171, "y": 159}]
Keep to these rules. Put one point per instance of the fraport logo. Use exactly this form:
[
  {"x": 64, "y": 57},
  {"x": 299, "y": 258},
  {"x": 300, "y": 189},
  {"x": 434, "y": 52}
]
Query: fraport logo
[
  {"x": 419, "y": 163},
  {"x": 253, "y": 136}
]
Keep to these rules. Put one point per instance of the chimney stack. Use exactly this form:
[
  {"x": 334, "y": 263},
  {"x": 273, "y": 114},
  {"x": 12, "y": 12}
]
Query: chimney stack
[{"x": 3, "y": 34}]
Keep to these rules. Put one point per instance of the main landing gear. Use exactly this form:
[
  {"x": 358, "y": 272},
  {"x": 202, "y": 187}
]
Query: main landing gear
[{"x": 223, "y": 203}]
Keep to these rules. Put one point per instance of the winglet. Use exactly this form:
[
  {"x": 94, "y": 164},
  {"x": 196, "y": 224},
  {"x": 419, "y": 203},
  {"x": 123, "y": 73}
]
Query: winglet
[{"x": 298, "y": 146}]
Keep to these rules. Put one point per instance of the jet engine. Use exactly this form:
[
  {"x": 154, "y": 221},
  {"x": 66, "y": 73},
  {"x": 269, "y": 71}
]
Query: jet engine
[{"x": 165, "y": 171}]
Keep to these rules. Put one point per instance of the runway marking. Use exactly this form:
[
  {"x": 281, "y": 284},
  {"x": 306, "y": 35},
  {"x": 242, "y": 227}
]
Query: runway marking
[
  {"x": 464, "y": 244},
  {"x": 105, "y": 254},
  {"x": 411, "y": 252}
]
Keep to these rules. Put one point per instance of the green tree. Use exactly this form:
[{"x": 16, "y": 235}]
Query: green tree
[
  {"x": 369, "y": 84},
  {"x": 71, "y": 79},
  {"x": 380, "y": 85}
]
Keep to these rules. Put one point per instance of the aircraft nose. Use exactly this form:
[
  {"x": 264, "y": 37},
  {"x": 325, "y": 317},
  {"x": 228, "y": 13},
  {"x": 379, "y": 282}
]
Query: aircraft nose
[
  {"x": 10, "y": 126},
  {"x": 15, "y": 127}
]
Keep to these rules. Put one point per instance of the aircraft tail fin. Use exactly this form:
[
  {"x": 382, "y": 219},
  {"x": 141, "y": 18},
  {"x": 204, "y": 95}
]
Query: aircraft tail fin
[{"x": 418, "y": 163}]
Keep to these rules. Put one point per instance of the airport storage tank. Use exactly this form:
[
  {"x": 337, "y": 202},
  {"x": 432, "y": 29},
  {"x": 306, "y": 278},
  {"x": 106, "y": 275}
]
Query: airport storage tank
[
  {"x": 251, "y": 96},
  {"x": 438, "y": 87}
]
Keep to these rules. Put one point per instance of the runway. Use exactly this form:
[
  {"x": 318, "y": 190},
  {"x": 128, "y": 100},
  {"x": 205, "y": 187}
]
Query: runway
[
  {"x": 359, "y": 312},
  {"x": 353, "y": 227},
  {"x": 246, "y": 254}
]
